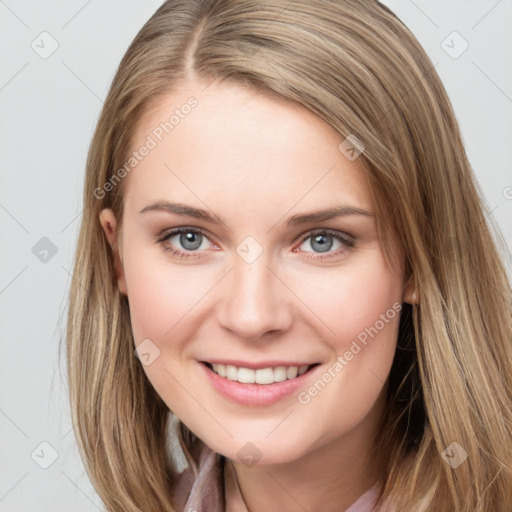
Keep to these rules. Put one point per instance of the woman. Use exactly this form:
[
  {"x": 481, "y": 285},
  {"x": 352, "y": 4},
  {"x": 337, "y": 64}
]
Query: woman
[{"x": 240, "y": 141}]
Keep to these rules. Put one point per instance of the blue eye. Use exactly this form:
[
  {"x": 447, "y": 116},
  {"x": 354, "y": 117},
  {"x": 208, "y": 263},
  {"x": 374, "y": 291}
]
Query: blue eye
[
  {"x": 192, "y": 239},
  {"x": 322, "y": 242}
]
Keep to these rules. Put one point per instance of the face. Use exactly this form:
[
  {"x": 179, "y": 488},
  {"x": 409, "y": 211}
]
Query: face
[{"x": 255, "y": 279}]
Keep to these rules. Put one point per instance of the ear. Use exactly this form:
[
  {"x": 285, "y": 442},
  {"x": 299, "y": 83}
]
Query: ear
[
  {"x": 109, "y": 224},
  {"x": 410, "y": 294}
]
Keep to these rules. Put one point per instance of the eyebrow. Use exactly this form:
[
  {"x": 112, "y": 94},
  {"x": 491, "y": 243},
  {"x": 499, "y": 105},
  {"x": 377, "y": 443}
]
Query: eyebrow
[{"x": 198, "y": 213}]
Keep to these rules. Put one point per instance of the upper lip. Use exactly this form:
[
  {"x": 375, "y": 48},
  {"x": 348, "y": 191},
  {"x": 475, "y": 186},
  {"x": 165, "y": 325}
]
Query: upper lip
[{"x": 257, "y": 366}]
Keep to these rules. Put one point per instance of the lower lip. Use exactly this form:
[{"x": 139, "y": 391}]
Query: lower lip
[{"x": 256, "y": 394}]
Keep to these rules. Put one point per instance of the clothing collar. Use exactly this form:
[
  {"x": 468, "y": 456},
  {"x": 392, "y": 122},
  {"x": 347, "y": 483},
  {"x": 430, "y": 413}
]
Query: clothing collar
[{"x": 206, "y": 492}]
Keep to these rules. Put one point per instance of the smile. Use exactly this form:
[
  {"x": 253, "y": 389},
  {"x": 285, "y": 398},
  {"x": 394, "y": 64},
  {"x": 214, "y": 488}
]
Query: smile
[
  {"x": 257, "y": 387},
  {"x": 267, "y": 375}
]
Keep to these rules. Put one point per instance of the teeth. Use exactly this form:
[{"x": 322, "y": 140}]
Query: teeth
[
  {"x": 302, "y": 369},
  {"x": 261, "y": 376},
  {"x": 291, "y": 373},
  {"x": 246, "y": 375},
  {"x": 221, "y": 369}
]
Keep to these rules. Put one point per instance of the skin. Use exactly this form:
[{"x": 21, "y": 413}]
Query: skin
[{"x": 254, "y": 161}]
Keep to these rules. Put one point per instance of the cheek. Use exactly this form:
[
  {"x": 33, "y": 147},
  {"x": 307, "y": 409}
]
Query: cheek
[
  {"x": 358, "y": 312},
  {"x": 348, "y": 302},
  {"x": 161, "y": 295}
]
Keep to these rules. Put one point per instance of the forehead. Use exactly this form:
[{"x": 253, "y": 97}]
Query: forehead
[{"x": 229, "y": 144}]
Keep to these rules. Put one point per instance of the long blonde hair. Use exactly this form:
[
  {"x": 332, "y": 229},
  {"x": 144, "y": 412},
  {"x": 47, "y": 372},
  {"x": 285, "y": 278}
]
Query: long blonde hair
[{"x": 355, "y": 65}]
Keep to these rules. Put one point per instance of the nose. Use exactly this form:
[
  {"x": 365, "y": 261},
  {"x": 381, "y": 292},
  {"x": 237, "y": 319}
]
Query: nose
[{"x": 254, "y": 301}]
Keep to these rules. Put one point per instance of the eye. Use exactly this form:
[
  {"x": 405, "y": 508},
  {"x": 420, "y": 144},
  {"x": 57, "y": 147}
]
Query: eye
[
  {"x": 322, "y": 241},
  {"x": 191, "y": 240}
]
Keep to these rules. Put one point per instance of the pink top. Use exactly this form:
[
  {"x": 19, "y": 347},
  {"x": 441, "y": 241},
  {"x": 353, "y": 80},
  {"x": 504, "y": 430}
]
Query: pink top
[{"x": 206, "y": 493}]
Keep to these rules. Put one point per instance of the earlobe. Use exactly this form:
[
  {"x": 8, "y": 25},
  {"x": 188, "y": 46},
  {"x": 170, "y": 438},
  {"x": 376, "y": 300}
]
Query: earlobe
[
  {"x": 410, "y": 294},
  {"x": 109, "y": 224}
]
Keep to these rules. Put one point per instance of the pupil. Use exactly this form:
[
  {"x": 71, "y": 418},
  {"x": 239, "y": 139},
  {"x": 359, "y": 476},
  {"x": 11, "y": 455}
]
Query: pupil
[
  {"x": 190, "y": 238},
  {"x": 324, "y": 245}
]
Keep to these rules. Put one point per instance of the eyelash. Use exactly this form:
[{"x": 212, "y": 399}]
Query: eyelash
[{"x": 184, "y": 255}]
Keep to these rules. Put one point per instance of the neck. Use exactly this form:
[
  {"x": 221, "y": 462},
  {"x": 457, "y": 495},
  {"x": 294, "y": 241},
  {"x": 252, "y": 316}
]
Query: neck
[{"x": 329, "y": 478}]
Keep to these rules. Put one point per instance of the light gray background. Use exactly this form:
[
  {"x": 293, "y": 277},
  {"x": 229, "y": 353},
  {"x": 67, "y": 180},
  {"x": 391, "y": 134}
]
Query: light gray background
[{"x": 48, "y": 109}]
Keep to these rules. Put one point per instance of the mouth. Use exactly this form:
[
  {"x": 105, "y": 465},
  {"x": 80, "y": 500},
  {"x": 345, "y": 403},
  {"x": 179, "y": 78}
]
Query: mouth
[{"x": 262, "y": 376}]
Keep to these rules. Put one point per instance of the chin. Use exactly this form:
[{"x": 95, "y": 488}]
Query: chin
[{"x": 260, "y": 453}]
